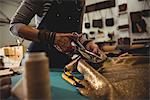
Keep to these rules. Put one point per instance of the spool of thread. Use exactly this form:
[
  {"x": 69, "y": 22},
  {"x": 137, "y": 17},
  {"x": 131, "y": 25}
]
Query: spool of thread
[{"x": 36, "y": 77}]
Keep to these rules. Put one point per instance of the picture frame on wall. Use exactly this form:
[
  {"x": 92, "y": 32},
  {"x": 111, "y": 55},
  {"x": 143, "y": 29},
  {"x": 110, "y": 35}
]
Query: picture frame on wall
[
  {"x": 97, "y": 21},
  {"x": 146, "y": 8},
  {"x": 123, "y": 24},
  {"x": 87, "y": 24},
  {"x": 138, "y": 23},
  {"x": 102, "y": 4},
  {"x": 146, "y": 12},
  {"x": 109, "y": 20},
  {"x": 122, "y": 6}
]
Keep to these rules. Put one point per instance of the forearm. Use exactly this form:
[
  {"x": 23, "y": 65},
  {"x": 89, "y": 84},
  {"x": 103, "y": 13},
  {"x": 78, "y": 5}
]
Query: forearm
[
  {"x": 19, "y": 23},
  {"x": 28, "y": 32},
  {"x": 33, "y": 34}
]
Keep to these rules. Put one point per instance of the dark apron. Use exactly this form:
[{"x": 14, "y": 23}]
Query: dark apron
[{"x": 63, "y": 16}]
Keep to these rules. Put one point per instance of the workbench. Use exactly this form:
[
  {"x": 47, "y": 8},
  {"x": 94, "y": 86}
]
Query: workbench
[{"x": 60, "y": 89}]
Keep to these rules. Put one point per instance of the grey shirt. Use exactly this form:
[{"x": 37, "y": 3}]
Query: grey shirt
[{"x": 27, "y": 10}]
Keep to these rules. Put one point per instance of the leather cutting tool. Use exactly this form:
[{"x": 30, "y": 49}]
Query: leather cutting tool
[{"x": 90, "y": 56}]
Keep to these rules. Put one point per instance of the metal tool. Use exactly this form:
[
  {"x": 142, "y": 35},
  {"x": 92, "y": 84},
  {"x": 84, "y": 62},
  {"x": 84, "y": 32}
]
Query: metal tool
[{"x": 90, "y": 56}]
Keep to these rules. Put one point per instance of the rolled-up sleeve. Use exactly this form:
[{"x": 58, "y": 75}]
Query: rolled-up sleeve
[{"x": 24, "y": 14}]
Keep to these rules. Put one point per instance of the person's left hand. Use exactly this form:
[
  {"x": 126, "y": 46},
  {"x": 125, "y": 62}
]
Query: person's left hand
[{"x": 91, "y": 46}]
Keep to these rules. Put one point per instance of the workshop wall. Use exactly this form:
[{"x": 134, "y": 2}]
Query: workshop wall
[{"x": 132, "y": 6}]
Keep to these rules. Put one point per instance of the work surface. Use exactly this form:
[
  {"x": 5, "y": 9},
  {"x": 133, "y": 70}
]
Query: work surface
[{"x": 60, "y": 89}]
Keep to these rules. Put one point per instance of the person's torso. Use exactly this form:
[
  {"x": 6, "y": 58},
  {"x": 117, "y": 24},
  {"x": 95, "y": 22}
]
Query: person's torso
[{"x": 62, "y": 15}]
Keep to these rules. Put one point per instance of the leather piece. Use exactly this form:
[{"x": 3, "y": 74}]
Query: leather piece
[
  {"x": 96, "y": 85},
  {"x": 125, "y": 81}
]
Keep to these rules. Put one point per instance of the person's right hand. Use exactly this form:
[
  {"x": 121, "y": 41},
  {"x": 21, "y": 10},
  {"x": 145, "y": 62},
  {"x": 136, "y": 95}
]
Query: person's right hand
[{"x": 62, "y": 42}]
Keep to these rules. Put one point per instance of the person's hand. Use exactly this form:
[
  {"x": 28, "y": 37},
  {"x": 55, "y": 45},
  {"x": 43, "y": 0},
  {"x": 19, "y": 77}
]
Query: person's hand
[
  {"x": 91, "y": 46},
  {"x": 63, "y": 42}
]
